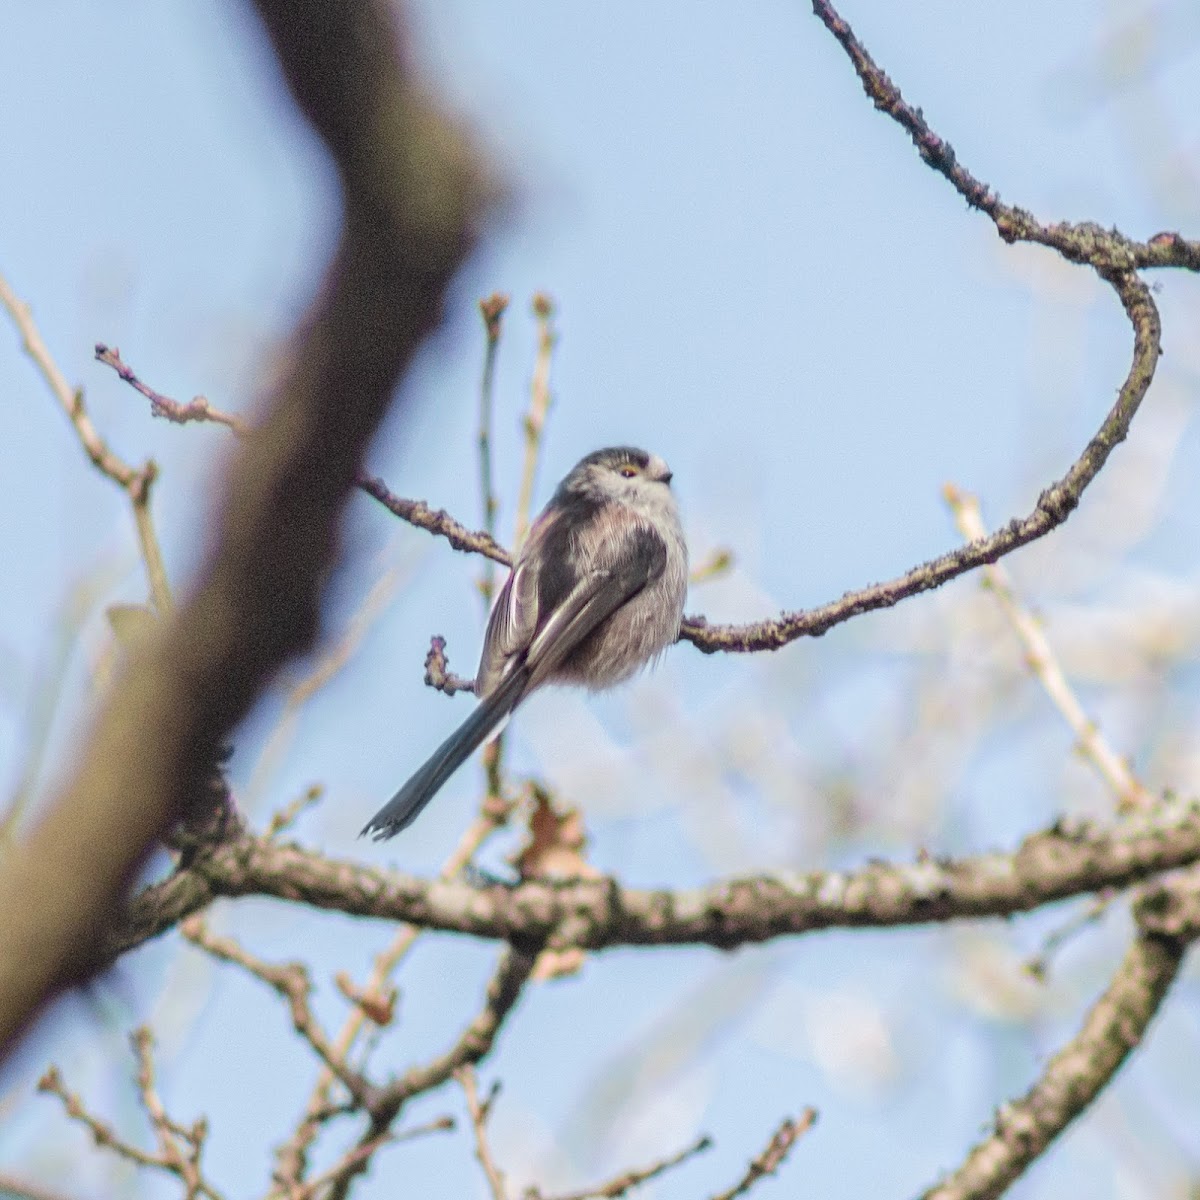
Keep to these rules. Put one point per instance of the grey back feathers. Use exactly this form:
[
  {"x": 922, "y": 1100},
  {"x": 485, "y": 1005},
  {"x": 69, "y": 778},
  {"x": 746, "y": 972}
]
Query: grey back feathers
[{"x": 595, "y": 594}]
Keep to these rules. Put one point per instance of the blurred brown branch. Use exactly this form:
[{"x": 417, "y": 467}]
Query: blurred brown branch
[{"x": 404, "y": 236}]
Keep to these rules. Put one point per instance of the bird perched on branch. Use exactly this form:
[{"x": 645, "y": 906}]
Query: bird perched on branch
[{"x": 596, "y": 593}]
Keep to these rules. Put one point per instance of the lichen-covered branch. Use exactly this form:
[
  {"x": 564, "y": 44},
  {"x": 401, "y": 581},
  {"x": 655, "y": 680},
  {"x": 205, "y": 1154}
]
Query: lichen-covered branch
[{"x": 1063, "y": 861}]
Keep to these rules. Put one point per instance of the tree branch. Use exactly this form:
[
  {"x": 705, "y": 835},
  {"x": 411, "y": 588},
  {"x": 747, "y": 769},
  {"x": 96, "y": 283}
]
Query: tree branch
[{"x": 1065, "y": 860}]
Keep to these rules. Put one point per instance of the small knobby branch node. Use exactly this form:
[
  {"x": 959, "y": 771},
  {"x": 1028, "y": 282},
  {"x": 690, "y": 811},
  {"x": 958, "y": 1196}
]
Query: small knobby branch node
[{"x": 437, "y": 670}]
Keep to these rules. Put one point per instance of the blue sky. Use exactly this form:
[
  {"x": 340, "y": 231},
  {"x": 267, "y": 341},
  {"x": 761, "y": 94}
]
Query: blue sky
[{"x": 757, "y": 278}]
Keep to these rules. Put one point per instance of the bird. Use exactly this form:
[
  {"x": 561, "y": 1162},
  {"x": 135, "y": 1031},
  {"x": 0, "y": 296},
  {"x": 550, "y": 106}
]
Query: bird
[{"x": 595, "y": 594}]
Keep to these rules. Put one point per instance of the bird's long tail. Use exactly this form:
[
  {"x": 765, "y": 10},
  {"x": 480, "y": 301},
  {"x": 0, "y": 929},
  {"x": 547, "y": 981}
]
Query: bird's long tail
[{"x": 406, "y": 805}]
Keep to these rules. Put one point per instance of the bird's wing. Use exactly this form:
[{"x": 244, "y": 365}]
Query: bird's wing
[
  {"x": 633, "y": 564},
  {"x": 513, "y": 620}
]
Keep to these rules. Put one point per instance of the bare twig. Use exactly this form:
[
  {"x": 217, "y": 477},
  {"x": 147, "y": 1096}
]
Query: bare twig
[
  {"x": 492, "y": 311},
  {"x": 286, "y": 817},
  {"x": 719, "y": 562},
  {"x": 135, "y": 482},
  {"x": 770, "y": 1160},
  {"x": 1105, "y": 249},
  {"x": 479, "y": 1111},
  {"x": 1053, "y": 507},
  {"x": 359, "y": 1154},
  {"x": 627, "y": 1180},
  {"x": 535, "y": 418},
  {"x": 415, "y": 512},
  {"x": 291, "y": 982},
  {"x": 435, "y": 521},
  {"x": 1114, "y": 257},
  {"x": 1111, "y": 767},
  {"x": 180, "y": 1147},
  {"x": 1039, "y": 964},
  {"x": 472, "y": 1045},
  {"x": 475, "y": 1042},
  {"x": 102, "y": 1134},
  {"x": 70, "y": 399},
  {"x": 292, "y": 1154},
  {"x": 197, "y": 409}
]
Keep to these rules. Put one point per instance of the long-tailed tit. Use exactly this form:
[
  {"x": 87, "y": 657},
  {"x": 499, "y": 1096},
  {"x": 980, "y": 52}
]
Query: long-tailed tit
[{"x": 595, "y": 594}]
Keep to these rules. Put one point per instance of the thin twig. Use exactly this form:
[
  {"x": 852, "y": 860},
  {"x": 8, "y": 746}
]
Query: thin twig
[
  {"x": 1038, "y": 965},
  {"x": 1042, "y": 661},
  {"x": 627, "y": 1180},
  {"x": 717, "y": 563},
  {"x": 12, "y": 1187},
  {"x": 292, "y": 1154},
  {"x": 1105, "y": 249},
  {"x": 479, "y": 1112},
  {"x": 769, "y": 1161},
  {"x": 415, "y": 512},
  {"x": 135, "y": 482},
  {"x": 535, "y": 419},
  {"x": 180, "y": 1147},
  {"x": 472, "y": 1045},
  {"x": 357, "y": 1155},
  {"x": 1054, "y": 505},
  {"x": 103, "y": 1135},
  {"x": 492, "y": 311},
  {"x": 292, "y": 983},
  {"x": 197, "y": 409},
  {"x": 286, "y": 817}
]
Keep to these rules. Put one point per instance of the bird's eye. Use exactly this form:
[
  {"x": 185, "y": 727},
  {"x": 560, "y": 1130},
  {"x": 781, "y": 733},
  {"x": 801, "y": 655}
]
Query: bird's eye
[{"x": 628, "y": 471}]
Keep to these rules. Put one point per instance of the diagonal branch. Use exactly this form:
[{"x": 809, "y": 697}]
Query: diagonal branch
[{"x": 1168, "y": 920}]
